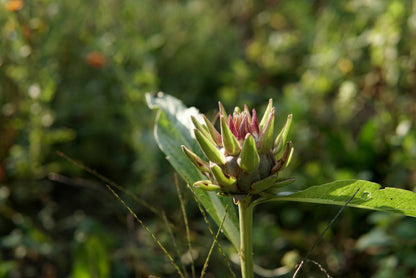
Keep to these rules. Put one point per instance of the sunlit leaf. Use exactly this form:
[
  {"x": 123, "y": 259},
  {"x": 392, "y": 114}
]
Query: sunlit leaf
[
  {"x": 368, "y": 195},
  {"x": 173, "y": 128}
]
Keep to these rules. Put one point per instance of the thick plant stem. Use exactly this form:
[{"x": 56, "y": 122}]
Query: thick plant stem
[{"x": 245, "y": 211}]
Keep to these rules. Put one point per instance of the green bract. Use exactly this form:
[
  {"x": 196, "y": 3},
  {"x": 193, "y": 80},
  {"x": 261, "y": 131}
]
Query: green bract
[{"x": 244, "y": 157}]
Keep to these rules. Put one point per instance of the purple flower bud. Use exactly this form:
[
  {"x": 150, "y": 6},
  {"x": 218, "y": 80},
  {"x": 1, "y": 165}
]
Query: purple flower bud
[{"x": 244, "y": 157}]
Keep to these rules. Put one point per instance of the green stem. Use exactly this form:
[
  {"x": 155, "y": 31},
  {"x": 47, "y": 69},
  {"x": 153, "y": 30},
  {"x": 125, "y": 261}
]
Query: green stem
[{"x": 245, "y": 211}]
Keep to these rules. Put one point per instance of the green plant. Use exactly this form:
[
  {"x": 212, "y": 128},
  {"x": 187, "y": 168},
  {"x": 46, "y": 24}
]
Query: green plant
[{"x": 174, "y": 128}]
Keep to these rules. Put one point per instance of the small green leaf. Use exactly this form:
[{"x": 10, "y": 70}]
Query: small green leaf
[
  {"x": 209, "y": 149},
  {"x": 249, "y": 159}
]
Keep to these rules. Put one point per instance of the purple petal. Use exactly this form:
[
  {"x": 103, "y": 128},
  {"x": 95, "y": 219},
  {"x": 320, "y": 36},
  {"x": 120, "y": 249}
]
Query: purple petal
[
  {"x": 231, "y": 125},
  {"x": 247, "y": 112},
  {"x": 244, "y": 128}
]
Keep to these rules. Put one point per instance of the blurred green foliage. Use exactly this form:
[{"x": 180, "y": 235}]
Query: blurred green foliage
[{"x": 73, "y": 76}]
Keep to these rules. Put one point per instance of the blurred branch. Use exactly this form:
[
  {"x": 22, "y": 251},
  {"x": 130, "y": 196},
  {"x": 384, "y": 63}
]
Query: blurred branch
[{"x": 76, "y": 182}]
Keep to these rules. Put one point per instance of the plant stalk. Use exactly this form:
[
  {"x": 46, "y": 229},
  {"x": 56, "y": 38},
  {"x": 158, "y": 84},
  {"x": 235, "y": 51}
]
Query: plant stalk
[{"x": 245, "y": 211}]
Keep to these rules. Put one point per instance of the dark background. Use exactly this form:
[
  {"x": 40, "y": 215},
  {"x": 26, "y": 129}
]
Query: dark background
[{"x": 73, "y": 75}]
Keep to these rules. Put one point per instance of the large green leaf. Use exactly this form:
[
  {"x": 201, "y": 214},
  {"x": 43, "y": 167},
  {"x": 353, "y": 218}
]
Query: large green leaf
[
  {"x": 173, "y": 128},
  {"x": 370, "y": 195}
]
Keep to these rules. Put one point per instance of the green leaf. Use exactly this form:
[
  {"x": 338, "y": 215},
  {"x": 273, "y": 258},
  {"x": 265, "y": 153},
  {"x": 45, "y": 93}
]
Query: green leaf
[
  {"x": 173, "y": 128},
  {"x": 369, "y": 196}
]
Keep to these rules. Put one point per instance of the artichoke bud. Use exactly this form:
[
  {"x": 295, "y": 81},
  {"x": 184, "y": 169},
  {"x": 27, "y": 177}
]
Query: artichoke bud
[{"x": 244, "y": 158}]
